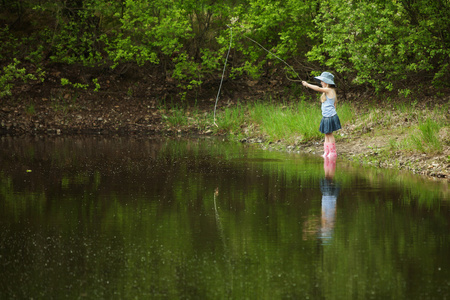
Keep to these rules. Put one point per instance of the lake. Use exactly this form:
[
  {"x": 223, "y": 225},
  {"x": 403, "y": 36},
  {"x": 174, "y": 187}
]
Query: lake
[{"x": 95, "y": 217}]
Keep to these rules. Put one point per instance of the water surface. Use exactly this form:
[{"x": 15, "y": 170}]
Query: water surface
[{"x": 112, "y": 217}]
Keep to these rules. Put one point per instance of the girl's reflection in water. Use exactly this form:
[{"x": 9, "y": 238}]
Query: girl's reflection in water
[{"x": 330, "y": 191}]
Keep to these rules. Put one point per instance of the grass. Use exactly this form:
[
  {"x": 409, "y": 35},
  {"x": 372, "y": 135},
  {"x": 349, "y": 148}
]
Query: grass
[
  {"x": 295, "y": 122},
  {"x": 30, "y": 110},
  {"x": 176, "y": 117},
  {"x": 273, "y": 121},
  {"x": 426, "y": 138},
  {"x": 413, "y": 127},
  {"x": 231, "y": 119},
  {"x": 422, "y": 138},
  {"x": 429, "y": 131},
  {"x": 291, "y": 121}
]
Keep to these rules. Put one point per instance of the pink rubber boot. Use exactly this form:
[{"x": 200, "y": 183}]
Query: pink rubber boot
[
  {"x": 326, "y": 149},
  {"x": 332, "y": 153}
]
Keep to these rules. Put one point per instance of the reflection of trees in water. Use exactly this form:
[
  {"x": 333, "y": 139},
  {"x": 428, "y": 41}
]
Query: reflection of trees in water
[{"x": 150, "y": 226}]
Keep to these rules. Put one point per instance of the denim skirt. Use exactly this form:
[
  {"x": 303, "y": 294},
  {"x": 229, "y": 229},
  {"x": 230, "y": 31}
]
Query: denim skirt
[{"x": 328, "y": 125}]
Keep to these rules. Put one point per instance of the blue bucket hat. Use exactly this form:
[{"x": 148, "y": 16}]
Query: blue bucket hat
[{"x": 326, "y": 77}]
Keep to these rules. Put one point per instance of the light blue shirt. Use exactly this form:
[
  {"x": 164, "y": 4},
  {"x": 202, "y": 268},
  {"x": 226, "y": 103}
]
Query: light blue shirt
[{"x": 328, "y": 109}]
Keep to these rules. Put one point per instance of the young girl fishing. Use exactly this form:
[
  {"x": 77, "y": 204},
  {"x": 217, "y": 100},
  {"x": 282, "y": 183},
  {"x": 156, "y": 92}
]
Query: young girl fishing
[{"x": 330, "y": 120}]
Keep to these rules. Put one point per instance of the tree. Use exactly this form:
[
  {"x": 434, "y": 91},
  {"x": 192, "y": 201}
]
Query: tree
[{"x": 384, "y": 43}]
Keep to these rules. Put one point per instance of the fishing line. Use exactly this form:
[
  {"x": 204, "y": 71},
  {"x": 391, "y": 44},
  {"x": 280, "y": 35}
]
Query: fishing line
[
  {"x": 223, "y": 73},
  {"x": 226, "y": 60},
  {"x": 222, "y": 237},
  {"x": 292, "y": 69}
]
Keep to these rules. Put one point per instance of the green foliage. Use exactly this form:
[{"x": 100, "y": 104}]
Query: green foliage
[
  {"x": 188, "y": 38},
  {"x": 76, "y": 85},
  {"x": 378, "y": 43},
  {"x": 76, "y": 36},
  {"x": 382, "y": 43},
  {"x": 281, "y": 26},
  {"x": 187, "y": 72},
  {"x": 82, "y": 86},
  {"x": 11, "y": 73},
  {"x": 8, "y": 44},
  {"x": 96, "y": 84}
]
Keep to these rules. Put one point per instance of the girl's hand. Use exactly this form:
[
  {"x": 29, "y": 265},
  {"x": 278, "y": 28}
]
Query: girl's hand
[{"x": 304, "y": 83}]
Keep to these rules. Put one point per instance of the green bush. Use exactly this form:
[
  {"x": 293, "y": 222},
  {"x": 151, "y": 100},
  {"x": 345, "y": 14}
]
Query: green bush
[
  {"x": 384, "y": 43},
  {"x": 12, "y": 73}
]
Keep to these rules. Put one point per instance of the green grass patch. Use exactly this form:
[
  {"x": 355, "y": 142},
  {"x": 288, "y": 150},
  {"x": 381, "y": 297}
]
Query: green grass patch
[
  {"x": 175, "y": 117},
  {"x": 429, "y": 136},
  {"x": 231, "y": 119},
  {"x": 30, "y": 110},
  {"x": 424, "y": 138},
  {"x": 291, "y": 122}
]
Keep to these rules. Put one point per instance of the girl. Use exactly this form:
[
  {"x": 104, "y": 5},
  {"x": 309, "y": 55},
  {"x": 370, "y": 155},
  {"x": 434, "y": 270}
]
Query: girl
[{"x": 330, "y": 120}]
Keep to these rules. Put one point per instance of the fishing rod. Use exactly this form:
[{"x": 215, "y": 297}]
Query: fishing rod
[
  {"x": 226, "y": 60},
  {"x": 273, "y": 54}
]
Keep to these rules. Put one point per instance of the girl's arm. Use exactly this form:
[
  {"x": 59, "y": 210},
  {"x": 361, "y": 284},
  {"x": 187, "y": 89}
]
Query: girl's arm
[
  {"x": 315, "y": 87},
  {"x": 328, "y": 91}
]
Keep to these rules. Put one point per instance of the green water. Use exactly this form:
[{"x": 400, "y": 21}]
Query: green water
[{"x": 135, "y": 218}]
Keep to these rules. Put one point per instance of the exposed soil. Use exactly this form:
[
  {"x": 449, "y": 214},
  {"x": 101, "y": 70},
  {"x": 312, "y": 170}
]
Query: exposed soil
[
  {"x": 131, "y": 101},
  {"x": 371, "y": 150}
]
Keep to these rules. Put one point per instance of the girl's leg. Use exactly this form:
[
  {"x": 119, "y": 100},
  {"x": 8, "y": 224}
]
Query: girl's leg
[
  {"x": 331, "y": 138},
  {"x": 332, "y": 145},
  {"x": 326, "y": 149},
  {"x": 326, "y": 145}
]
